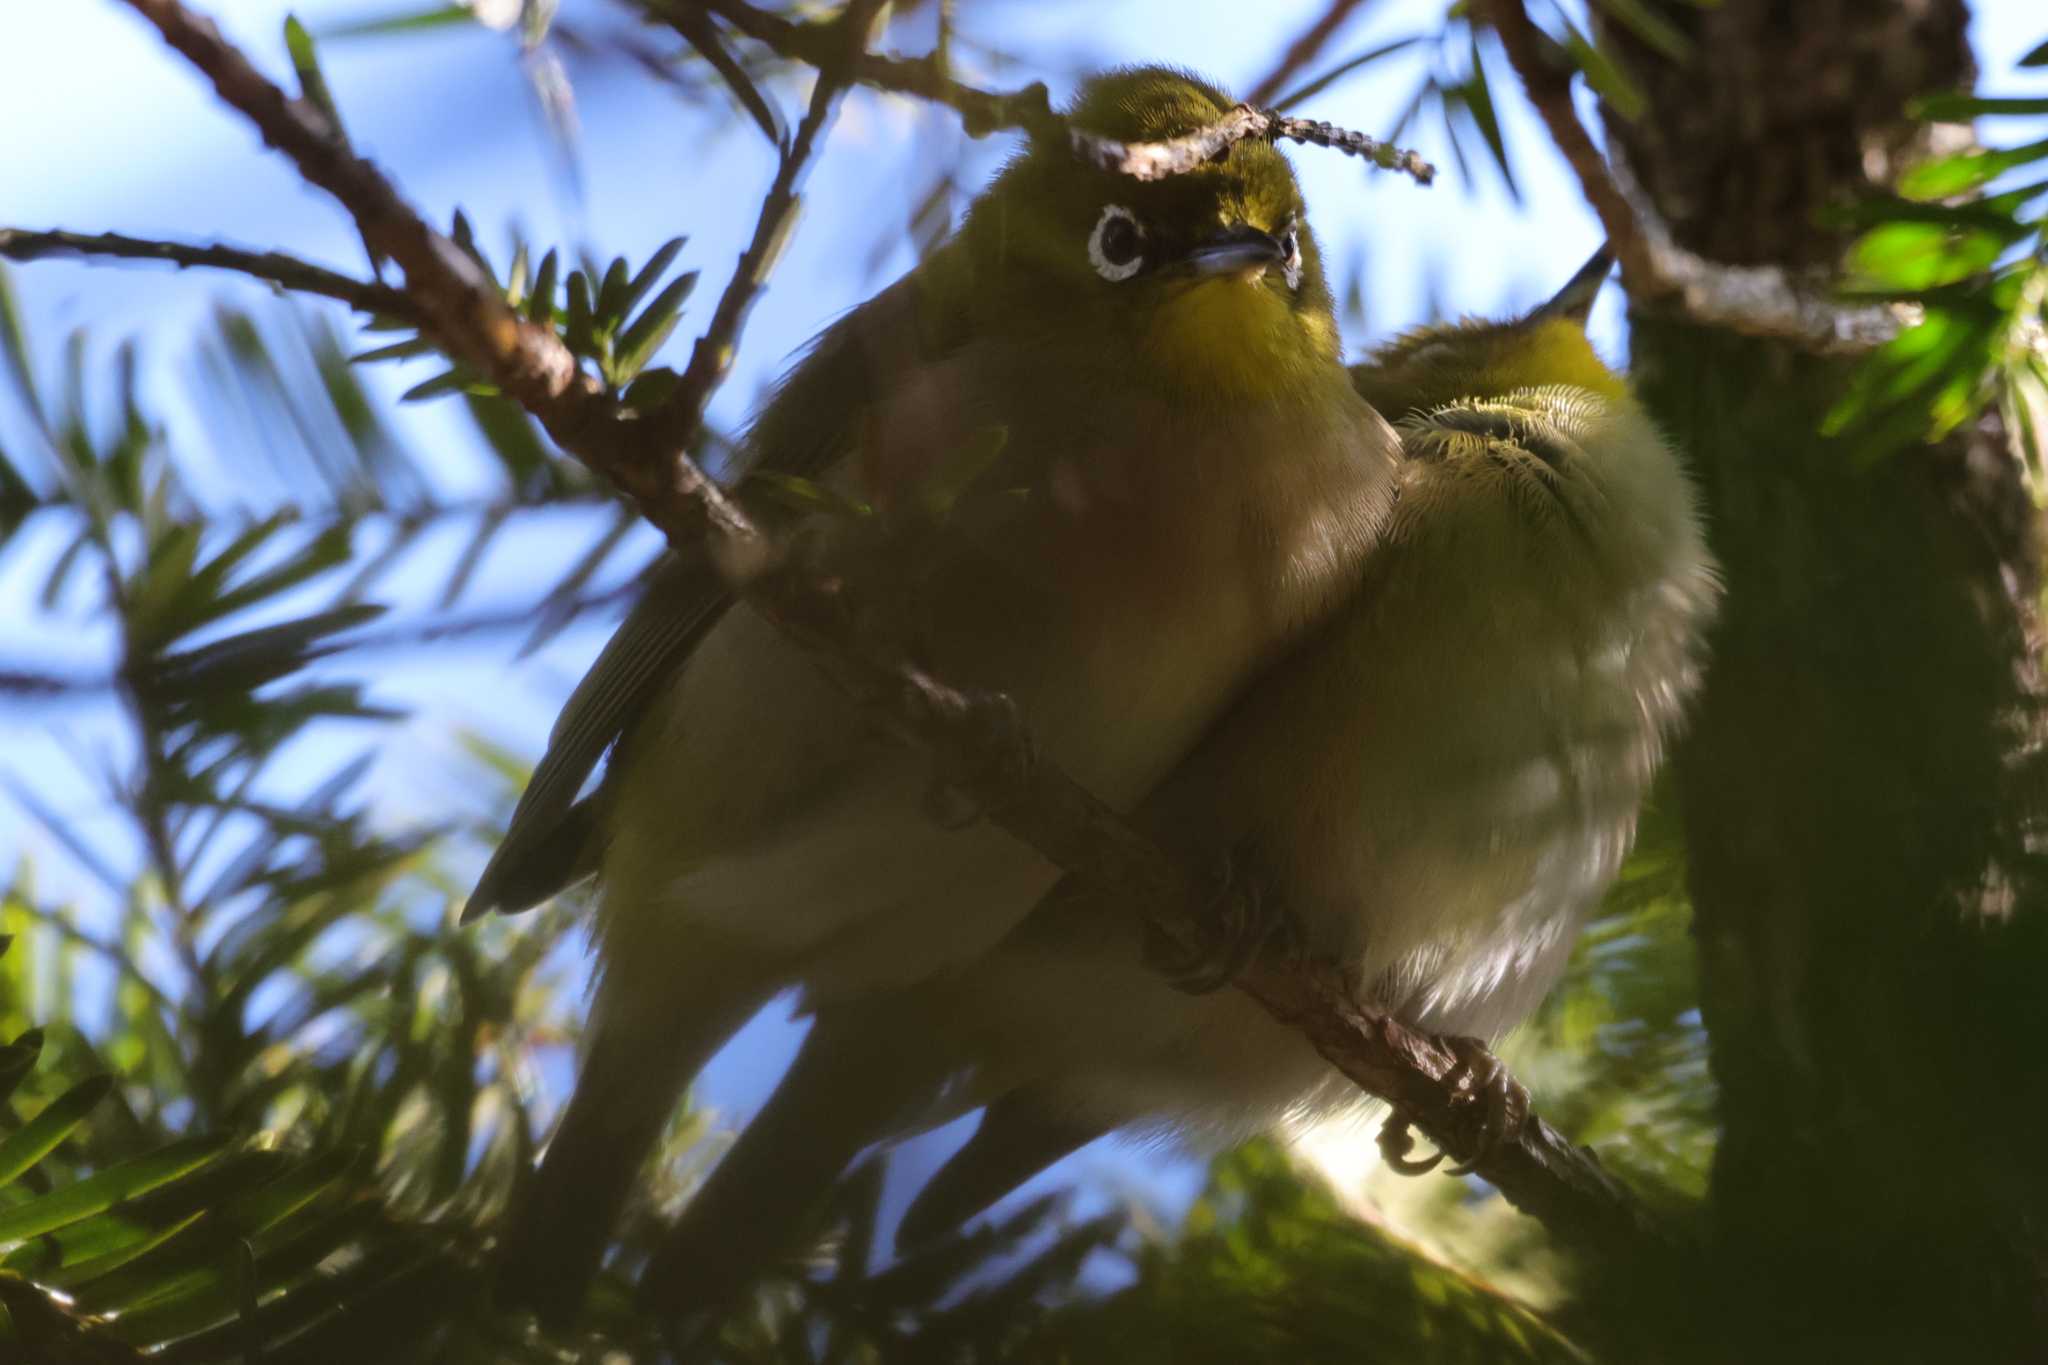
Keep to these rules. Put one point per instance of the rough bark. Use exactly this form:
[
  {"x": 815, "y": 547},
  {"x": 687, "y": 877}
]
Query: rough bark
[{"x": 1860, "y": 787}]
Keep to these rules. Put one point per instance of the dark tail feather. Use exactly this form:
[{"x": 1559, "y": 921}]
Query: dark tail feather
[
  {"x": 859, "y": 1075},
  {"x": 632, "y": 1078},
  {"x": 1020, "y": 1135}
]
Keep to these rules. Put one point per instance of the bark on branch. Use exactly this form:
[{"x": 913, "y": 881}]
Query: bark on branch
[
  {"x": 289, "y": 272},
  {"x": 1030, "y": 109},
  {"x": 979, "y": 739},
  {"x": 1753, "y": 300}
]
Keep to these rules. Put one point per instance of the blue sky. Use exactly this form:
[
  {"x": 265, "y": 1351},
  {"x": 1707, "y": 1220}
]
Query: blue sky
[{"x": 108, "y": 131}]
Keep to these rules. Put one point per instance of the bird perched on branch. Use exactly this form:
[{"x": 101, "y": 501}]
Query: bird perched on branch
[
  {"x": 1436, "y": 785},
  {"x": 1115, "y": 416}
]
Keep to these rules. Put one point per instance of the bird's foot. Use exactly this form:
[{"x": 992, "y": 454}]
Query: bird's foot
[
  {"x": 1478, "y": 1078},
  {"x": 1483, "y": 1079},
  {"x": 990, "y": 763},
  {"x": 1244, "y": 923}
]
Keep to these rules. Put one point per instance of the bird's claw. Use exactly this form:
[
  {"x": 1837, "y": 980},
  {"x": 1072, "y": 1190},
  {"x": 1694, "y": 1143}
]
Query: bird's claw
[
  {"x": 1244, "y": 924},
  {"x": 1483, "y": 1079},
  {"x": 1478, "y": 1078},
  {"x": 1397, "y": 1140}
]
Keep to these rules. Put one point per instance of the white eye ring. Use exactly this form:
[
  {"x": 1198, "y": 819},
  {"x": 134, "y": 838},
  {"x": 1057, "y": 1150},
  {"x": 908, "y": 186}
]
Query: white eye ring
[
  {"x": 1106, "y": 242},
  {"x": 1291, "y": 269}
]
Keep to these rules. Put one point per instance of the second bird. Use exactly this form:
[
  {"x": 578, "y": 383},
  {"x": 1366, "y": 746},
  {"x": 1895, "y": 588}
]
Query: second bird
[{"x": 1439, "y": 784}]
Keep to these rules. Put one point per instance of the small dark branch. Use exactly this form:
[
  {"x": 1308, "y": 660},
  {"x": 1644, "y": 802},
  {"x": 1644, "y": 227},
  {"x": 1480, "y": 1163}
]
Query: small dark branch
[
  {"x": 979, "y": 740},
  {"x": 1303, "y": 51},
  {"x": 1549, "y": 86},
  {"x": 1754, "y": 300},
  {"x": 1031, "y": 110},
  {"x": 15, "y": 682},
  {"x": 983, "y": 111},
  {"x": 365, "y": 296},
  {"x": 712, "y": 356},
  {"x": 463, "y": 310},
  {"x": 117, "y": 957}
]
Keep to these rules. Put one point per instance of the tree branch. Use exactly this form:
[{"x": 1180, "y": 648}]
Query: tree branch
[
  {"x": 460, "y": 305},
  {"x": 1753, "y": 300},
  {"x": 365, "y": 296},
  {"x": 1030, "y": 109},
  {"x": 1302, "y": 51},
  {"x": 979, "y": 739},
  {"x": 711, "y": 358}
]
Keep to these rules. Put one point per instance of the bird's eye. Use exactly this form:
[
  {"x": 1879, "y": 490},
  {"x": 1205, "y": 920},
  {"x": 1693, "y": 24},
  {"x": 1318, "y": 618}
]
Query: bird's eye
[
  {"x": 1290, "y": 242},
  {"x": 1117, "y": 246}
]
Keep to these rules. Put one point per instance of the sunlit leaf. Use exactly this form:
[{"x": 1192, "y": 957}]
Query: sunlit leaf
[
  {"x": 1967, "y": 171},
  {"x": 1959, "y": 108},
  {"x": 98, "y": 1193},
  {"x": 638, "y": 343},
  {"x": 306, "y": 64},
  {"x": 432, "y": 17},
  {"x": 38, "y": 1137}
]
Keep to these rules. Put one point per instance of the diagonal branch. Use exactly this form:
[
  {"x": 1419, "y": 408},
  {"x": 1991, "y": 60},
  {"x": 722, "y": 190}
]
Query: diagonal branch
[
  {"x": 1549, "y": 85},
  {"x": 1302, "y": 51},
  {"x": 978, "y": 738},
  {"x": 460, "y": 305},
  {"x": 365, "y": 296},
  {"x": 1755, "y": 300},
  {"x": 1030, "y": 109},
  {"x": 712, "y": 356}
]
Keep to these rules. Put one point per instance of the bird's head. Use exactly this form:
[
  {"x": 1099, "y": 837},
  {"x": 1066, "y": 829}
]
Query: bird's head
[
  {"x": 1206, "y": 285},
  {"x": 1476, "y": 359},
  {"x": 1521, "y": 438}
]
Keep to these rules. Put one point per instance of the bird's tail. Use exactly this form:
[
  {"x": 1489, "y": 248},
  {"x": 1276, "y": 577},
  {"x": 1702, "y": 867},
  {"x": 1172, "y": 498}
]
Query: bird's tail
[
  {"x": 862, "y": 1075},
  {"x": 641, "y": 1058}
]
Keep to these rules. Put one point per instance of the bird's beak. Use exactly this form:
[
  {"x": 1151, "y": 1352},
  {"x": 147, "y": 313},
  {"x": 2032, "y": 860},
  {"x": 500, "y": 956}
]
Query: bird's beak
[{"x": 1241, "y": 250}]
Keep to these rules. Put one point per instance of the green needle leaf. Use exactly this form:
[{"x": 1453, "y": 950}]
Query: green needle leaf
[{"x": 36, "y": 1139}]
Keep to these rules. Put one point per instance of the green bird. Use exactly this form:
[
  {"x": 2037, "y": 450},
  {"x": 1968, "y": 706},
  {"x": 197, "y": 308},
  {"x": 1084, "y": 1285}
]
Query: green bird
[
  {"x": 1437, "y": 785},
  {"x": 1151, "y": 476}
]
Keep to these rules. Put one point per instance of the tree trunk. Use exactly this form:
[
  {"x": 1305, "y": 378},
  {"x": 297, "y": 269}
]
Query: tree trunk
[{"x": 1860, "y": 788}]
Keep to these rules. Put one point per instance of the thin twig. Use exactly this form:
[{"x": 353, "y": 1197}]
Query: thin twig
[
  {"x": 1030, "y": 109},
  {"x": 697, "y": 29},
  {"x": 1753, "y": 300},
  {"x": 1303, "y": 51},
  {"x": 365, "y": 296},
  {"x": 1178, "y": 156},
  {"x": 712, "y": 356},
  {"x": 17, "y": 682},
  {"x": 927, "y": 78},
  {"x": 465, "y": 312},
  {"x": 1550, "y": 89},
  {"x": 978, "y": 738}
]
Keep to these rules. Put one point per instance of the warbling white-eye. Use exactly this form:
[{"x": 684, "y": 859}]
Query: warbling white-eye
[
  {"x": 1157, "y": 477},
  {"x": 1437, "y": 785}
]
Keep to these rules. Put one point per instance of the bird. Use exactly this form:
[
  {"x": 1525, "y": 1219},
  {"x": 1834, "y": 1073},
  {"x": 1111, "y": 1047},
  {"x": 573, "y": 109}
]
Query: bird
[
  {"x": 1437, "y": 784},
  {"x": 1104, "y": 438}
]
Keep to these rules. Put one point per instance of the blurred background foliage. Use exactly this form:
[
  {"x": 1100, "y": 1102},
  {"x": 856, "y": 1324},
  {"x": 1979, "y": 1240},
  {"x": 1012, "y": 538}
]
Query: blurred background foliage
[{"x": 264, "y": 1100}]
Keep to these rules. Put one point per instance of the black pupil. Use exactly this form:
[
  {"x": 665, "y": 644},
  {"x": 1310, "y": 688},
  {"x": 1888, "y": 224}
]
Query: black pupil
[
  {"x": 1291, "y": 243},
  {"x": 1119, "y": 241}
]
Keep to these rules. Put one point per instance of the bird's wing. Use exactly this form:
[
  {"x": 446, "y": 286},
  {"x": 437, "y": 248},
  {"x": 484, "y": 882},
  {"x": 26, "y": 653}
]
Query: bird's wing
[
  {"x": 808, "y": 427},
  {"x": 547, "y": 847}
]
